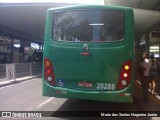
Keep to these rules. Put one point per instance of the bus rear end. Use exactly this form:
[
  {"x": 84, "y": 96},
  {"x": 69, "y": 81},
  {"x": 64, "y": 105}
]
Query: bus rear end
[{"x": 89, "y": 53}]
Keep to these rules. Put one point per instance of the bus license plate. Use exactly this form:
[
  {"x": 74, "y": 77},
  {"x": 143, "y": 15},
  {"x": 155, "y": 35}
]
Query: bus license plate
[{"x": 85, "y": 84}]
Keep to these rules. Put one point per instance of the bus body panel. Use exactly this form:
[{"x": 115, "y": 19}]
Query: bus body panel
[
  {"x": 94, "y": 76},
  {"x": 115, "y": 96}
]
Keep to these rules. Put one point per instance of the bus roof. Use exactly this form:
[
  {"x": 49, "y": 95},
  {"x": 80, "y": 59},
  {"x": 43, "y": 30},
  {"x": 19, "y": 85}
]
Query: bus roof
[{"x": 90, "y": 7}]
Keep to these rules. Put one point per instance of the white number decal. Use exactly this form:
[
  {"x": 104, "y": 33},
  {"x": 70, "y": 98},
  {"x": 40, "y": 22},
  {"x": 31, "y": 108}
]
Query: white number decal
[
  {"x": 109, "y": 86},
  {"x": 105, "y": 86},
  {"x": 98, "y": 85},
  {"x": 113, "y": 87}
]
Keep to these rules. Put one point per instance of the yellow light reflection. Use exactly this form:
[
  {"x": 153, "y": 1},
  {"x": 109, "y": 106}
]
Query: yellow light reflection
[{"x": 48, "y": 63}]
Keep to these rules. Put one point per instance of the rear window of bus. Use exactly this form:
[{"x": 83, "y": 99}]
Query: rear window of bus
[{"x": 88, "y": 26}]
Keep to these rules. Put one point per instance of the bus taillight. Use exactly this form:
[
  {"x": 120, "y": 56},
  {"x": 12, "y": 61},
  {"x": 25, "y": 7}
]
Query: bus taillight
[
  {"x": 125, "y": 75},
  {"x": 49, "y": 71}
]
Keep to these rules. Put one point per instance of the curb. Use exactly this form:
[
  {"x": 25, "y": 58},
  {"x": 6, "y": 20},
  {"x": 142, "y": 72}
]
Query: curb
[{"x": 11, "y": 82}]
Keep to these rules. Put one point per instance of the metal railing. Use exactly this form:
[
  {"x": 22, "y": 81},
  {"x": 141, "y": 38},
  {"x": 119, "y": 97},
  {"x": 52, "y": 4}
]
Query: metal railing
[
  {"x": 2, "y": 71},
  {"x": 22, "y": 69}
]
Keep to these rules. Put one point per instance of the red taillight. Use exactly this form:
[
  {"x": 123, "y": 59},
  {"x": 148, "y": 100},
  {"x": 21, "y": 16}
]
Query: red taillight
[
  {"x": 49, "y": 71},
  {"x": 125, "y": 75}
]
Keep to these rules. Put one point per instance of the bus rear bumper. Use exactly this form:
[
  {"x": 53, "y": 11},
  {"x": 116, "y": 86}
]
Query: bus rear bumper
[{"x": 111, "y": 96}]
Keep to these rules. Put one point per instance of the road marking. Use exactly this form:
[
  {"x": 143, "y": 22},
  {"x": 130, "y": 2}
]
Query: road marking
[{"x": 40, "y": 105}]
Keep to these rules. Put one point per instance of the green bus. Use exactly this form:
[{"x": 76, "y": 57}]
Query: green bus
[{"x": 89, "y": 53}]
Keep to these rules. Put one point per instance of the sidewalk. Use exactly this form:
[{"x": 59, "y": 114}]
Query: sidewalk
[
  {"x": 5, "y": 82},
  {"x": 138, "y": 94}
]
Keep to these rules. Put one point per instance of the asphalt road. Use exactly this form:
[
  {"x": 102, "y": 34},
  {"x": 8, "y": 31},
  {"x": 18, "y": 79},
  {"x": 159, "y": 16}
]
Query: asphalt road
[{"x": 27, "y": 96}]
